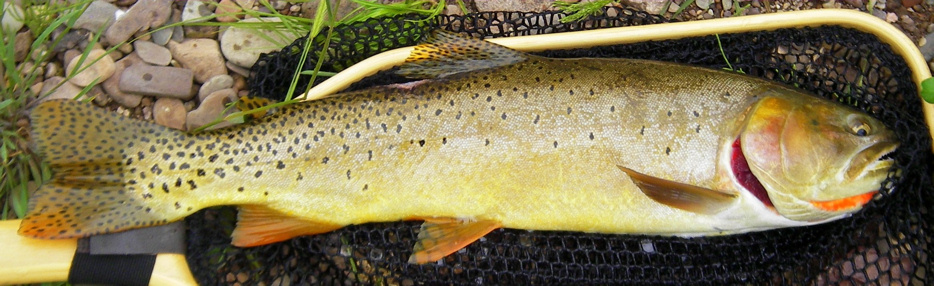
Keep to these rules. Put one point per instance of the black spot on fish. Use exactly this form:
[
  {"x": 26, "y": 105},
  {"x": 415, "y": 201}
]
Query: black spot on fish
[
  {"x": 219, "y": 172},
  {"x": 172, "y": 166},
  {"x": 200, "y": 172},
  {"x": 612, "y": 108},
  {"x": 147, "y": 196},
  {"x": 697, "y": 129},
  {"x": 156, "y": 170},
  {"x": 569, "y": 110},
  {"x": 213, "y": 158},
  {"x": 503, "y": 116},
  {"x": 696, "y": 114},
  {"x": 667, "y": 150},
  {"x": 191, "y": 183},
  {"x": 642, "y": 131},
  {"x": 556, "y": 144},
  {"x": 165, "y": 188},
  {"x": 178, "y": 182},
  {"x": 184, "y": 166},
  {"x": 536, "y": 119},
  {"x": 421, "y": 143},
  {"x": 178, "y": 205},
  {"x": 591, "y": 135},
  {"x": 280, "y": 165},
  {"x": 166, "y": 156},
  {"x": 265, "y": 193},
  {"x": 325, "y": 160},
  {"x": 258, "y": 174},
  {"x": 669, "y": 113},
  {"x": 348, "y": 174},
  {"x": 240, "y": 189},
  {"x": 444, "y": 140},
  {"x": 437, "y": 112}
]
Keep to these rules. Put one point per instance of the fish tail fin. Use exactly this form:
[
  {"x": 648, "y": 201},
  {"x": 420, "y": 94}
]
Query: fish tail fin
[{"x": 90, "y": 153}]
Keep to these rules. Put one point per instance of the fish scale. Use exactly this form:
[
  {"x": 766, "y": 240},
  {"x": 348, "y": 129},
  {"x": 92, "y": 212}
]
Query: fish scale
[{"x": 494, "y": 138}]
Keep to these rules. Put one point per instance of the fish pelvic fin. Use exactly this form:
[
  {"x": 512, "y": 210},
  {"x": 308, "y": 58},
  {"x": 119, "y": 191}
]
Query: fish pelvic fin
[
  {"x": 440, "y": 237},
  {"x": 682, "y": 196},
  {"x": 91, "y": 154},
  {"x": 259, "y": 225},
  {"x": 446, "y": 53}
]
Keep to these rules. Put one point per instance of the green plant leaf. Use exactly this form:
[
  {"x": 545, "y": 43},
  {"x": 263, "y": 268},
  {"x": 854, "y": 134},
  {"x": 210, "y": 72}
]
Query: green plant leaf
[{"x": 927, "y": 90}]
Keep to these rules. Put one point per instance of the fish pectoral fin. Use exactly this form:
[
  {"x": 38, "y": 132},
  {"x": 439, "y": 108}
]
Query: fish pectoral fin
[
  {"x": 259, "y": 225},
  {"x": 446, "y": 53},
  {"x": 249, "y": 103},
  {"x": 683, "y": 196},
  {"x": 439, "y": 237}
]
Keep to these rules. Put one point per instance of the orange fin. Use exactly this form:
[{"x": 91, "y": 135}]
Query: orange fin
[
  {"x": 439, "y": 237},
  {"x": 259, "y": 225},
  {"x": 844, "y": 203},
  {"x": 683, "y": 196}
]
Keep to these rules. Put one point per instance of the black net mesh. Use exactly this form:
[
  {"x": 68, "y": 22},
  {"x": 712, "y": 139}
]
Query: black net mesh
[{"x": 886, "y": 243}]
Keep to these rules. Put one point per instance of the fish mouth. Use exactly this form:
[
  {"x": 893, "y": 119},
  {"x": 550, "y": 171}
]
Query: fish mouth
[
  {"x": 745, "y": 177},
  {"x": 873, "y": 161}
]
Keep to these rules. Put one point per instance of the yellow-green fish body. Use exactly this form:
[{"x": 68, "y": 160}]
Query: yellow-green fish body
[{"x": 505, "y": 140}]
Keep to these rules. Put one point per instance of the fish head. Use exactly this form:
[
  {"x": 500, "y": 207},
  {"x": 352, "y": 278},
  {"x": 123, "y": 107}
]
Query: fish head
[{"x": 817, "y": 160}]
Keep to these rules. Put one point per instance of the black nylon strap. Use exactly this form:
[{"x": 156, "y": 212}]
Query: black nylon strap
[{"x": 134, "y": 269}]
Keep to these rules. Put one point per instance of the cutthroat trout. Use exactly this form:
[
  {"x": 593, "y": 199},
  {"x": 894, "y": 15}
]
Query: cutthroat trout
[{"x": 490, "y": 138}]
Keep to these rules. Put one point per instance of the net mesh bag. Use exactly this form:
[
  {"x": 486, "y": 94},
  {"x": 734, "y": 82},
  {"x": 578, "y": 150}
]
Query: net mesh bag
[{"x": 885, "y": 243}]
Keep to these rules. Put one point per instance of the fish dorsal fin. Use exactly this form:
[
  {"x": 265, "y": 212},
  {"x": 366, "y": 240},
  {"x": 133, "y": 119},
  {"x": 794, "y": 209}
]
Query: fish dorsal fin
[
  {"x": 259, "y": 225},
  {"x": 683, "y": 196},
  {"x": 446, "y": 53},
  {"x": 439, "y": 237},
  {"x": 247, "y": 103}
]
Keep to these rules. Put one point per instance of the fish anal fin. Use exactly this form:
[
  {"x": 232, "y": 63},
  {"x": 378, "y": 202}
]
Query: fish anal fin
[
  {"x": 440, "y": 237},
  {"x": 679, "y": 195},
  {"x": 446, "y": 53},
  {"x": 259, "y": 225}
]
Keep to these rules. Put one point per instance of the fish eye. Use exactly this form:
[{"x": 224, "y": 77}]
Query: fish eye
[{"x": 859, "y": 128}]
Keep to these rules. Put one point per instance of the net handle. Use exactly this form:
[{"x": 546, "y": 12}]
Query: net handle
[
  {"x": 27, "y": 260},
  {"x": 860, "y": 21}
]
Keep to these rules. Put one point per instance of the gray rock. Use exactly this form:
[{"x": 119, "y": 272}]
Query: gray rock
[
  {"x": 178, "y": 34},
  {"x": 152, "y": 53},
  {"x": 97, "y": 17},
  {"x": 703, "y": 4},
  {"x": 727, "y": 5},
  {"x": 201, "y": 56},
  {"x": 238, "y": 69},
  {"x": 58, "y": 88},
  {"x": 97, "y": 93},
  {"x": 195, "y": 9},
  {"x": 21, "y": 45},
  {"x": 230, "y": 11},
  {"x": 12, "y": 19},
  {"x": 928, "y": 49},
  {"x": 242, "y": 46},
  {"x": 98, "y": 66},
  {"x": 162, "y": 36},
  {"x": 170, "y": 112},
  {"x": 157, "y": 81},
  {"x": 216, "y": 83},
  {"x": 212, "y": 108},
  {"x": 112, "y": 84},
  {"x": 143, "y": 15},
  {"x": 515, "y": 5}
]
